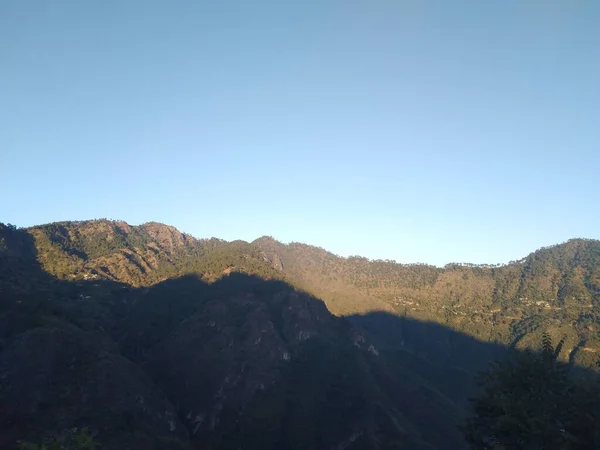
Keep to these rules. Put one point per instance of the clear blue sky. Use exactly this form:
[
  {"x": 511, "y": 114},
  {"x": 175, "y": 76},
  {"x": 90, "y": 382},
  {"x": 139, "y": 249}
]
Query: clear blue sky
[{"x": 430, "y": 131}]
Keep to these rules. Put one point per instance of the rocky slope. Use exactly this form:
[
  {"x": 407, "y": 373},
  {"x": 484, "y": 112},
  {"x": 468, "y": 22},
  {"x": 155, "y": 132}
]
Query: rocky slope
[
  {"x": 213, "y": 344},
  {"x": 245, "y": 361}
]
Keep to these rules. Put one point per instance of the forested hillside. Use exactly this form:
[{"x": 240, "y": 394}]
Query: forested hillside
[
  {"x": 155, "y": 339},
  {"x": 556, "y": 288}
]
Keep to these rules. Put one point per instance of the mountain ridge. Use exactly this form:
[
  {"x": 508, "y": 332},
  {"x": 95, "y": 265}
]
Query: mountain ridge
[
  {"x": 155, "y": 224},
  {"x": 508, "y": 303},
  {"x": 189, "y": 363},
  {"x": 243, "y": 336}
]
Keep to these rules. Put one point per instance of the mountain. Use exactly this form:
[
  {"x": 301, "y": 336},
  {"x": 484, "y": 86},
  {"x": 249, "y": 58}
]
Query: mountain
[
  {"x": 555, "y": 287},
  {"x": 155, "y": 339}
]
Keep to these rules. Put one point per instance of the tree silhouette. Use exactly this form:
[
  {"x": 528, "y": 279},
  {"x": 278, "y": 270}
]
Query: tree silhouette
[{"x": 526, "y": 402}]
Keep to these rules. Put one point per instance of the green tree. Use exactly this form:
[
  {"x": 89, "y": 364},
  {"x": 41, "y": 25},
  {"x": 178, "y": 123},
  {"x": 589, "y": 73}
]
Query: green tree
[
  {"x": 526, "y": 402},
  {"x": 71, "y": 439}
]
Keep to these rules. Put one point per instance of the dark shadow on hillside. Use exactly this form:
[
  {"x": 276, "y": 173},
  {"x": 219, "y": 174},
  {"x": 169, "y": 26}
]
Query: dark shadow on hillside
[
  {"x": 19, "y": 267},
  {"x": 242, "y": 361},
  {"x": 445, "y": 358}
]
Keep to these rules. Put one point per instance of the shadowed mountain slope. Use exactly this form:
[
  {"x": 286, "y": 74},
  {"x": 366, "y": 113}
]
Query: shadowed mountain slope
[
  {"x": 555, "y": 288},
  {"x": 241, "y": 361},
  {"x": 213, "y": 344}
]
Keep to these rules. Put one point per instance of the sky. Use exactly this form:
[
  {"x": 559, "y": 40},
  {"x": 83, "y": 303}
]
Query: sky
[{"x": 419, "y": 131}]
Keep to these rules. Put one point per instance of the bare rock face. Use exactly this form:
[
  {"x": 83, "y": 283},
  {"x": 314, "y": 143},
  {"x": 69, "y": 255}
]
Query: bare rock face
[
  {"x": 54, "y": 378},
  {"x": 168, "y": 237}
]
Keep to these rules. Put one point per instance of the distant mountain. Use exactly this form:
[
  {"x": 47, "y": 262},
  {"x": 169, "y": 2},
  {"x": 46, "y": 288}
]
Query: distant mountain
[{"x": 225, "y": 345}]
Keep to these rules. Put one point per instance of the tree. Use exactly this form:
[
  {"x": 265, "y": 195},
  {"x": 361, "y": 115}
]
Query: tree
[
  {"x": 526, "y": 402},
  {"x": 72, "y": 439}
]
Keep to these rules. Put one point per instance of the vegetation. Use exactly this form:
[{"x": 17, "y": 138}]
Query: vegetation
[
  {"x": 215, "y": 344},
  {"x": 72, "y": 439},
  {"x": 534, "y": 401},
  {"x": 555, "y": 286},
  {"x": 140, "y": 256}
]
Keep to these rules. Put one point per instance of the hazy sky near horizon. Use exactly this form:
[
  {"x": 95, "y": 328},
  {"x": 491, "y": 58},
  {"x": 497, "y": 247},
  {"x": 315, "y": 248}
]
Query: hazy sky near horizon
[{"x": 421, "y": 131}]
